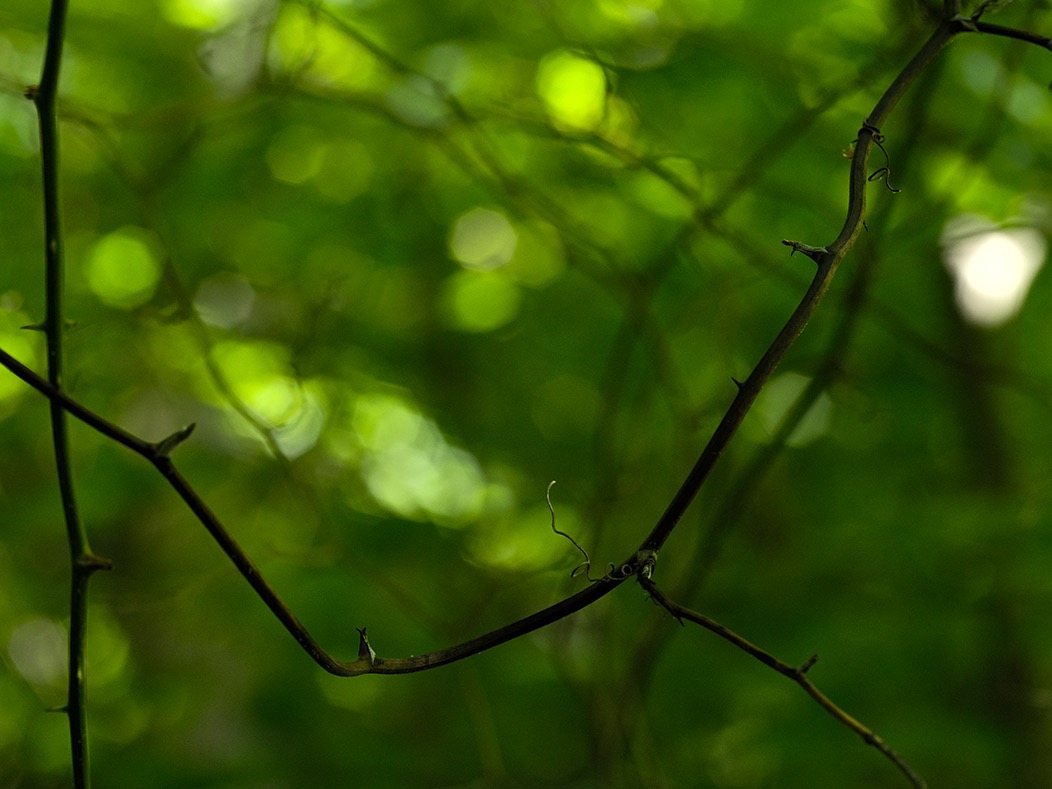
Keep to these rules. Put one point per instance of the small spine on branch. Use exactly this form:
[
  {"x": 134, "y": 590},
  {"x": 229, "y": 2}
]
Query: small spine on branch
[
  {"x": 815, "y": 253},
  {"x": 93, "y": 563},
  {"x": 165, "y": 446},
  {"x": 807, "y": 664},
  {"x": 365, "y": 651}
]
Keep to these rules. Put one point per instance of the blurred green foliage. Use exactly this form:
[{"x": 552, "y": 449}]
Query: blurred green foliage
[{"x": 404, "y": 264}]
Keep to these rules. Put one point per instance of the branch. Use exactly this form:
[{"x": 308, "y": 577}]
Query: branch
[
  {"x": 1008, "y": 32},
  {"x": 797, "y": 674},
  {"x": 828, "y": 259},
  {"x": 83, "y": 562},
  {"x": 159, "y": 454}
]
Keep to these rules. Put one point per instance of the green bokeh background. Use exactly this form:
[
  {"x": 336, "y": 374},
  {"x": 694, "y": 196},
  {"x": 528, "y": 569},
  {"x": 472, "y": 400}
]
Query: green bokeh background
[{"x": 404, "y": 263}]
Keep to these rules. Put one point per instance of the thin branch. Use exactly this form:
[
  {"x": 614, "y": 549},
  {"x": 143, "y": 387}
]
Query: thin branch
[
  {"x": 158, "y": 453},
  {"x": 641, "y": 563},
  {"x": 797, "y": 674},
  {"x": 828, "y": 260},
  {"x": 1010, "y": 32},
  {"x": 83, "y": 562}
]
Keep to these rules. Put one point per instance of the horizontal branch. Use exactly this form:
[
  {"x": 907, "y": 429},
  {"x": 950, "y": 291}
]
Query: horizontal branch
[{"x": 1009, "y": 32}]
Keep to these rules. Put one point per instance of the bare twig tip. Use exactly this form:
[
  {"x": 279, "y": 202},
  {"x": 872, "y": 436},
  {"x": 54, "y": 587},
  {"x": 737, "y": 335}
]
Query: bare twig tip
[
  {"x": 164, "y": 447},
  {"x": 815, "y": 253},
  {"x": 808, "y": 664},
  {"x": 365, "y": 651},
  {"x": 92, "y": 563}
]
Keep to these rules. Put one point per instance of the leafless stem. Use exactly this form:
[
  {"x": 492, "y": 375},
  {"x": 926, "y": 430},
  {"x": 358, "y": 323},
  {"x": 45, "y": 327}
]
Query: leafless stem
[
  {"x": 83, "y": 562},
  {"x": 797, "y": 674},
  {"x": 159, "y": 454},
  {"x": 828, "y": 260}
]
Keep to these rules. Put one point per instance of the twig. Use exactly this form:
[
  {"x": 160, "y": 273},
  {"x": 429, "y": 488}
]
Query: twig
[
  {"x": 828, "y": 259},
  {"x": 641, "y": 563},
  {"x": 159, "y": 454},
  {"x": 1011, "y": 32},
  {"x": 83, "y": 562},
  {"x": 797, "y": 674}
]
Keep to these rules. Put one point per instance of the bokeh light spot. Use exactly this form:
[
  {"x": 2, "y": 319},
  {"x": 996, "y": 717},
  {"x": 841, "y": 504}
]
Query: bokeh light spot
[
  {"x": 479, "y": 301},
  {"x": 992, "y": 269},
  {"x": 122, "y": 268},
  {"x": 38, "y": 651},
  {"x": 482, "y": 239},
  {"x": 573, "y": 90}
]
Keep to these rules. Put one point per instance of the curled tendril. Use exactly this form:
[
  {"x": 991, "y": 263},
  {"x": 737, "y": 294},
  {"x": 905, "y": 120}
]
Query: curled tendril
[
  {"x": 644, "y": 561},
  {"x": 882, "y": 173},
  {"x": 619, "y": 573},
  {"x": 584, "y": 566}
]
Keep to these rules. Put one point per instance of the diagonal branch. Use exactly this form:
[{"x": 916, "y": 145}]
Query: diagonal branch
[
  {"x": 828, "y": 260},
  {"x": 797, "y": 674}
]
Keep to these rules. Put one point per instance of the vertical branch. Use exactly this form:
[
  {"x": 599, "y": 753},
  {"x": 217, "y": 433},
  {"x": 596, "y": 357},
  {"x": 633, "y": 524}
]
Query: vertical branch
[{"x": 84, "y": 563}]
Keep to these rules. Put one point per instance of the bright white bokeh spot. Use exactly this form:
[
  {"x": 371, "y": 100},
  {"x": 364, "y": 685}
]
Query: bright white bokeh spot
[{"x": 992, "y": 269}]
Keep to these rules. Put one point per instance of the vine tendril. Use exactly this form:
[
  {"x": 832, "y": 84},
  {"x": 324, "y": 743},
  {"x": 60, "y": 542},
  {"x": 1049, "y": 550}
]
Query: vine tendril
[
  {"x": 882, "y": 173},
  {"x": 584, "y": 566}
]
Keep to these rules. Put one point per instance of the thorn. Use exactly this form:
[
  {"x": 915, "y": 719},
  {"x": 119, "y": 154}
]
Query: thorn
[
  {"x": 737, "y": 383},
  {"x": 807, "y": 664},
  {"x": 815, "y": 253},
  {"x": 92, "y": 563},
  {"x": 42, "y": 327},
  {"x": 164, "y": 447},
  {"x": 365, "y": 652}
]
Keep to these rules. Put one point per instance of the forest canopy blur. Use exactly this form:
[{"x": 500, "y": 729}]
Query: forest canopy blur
[{"x": 404, "y": 263}]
